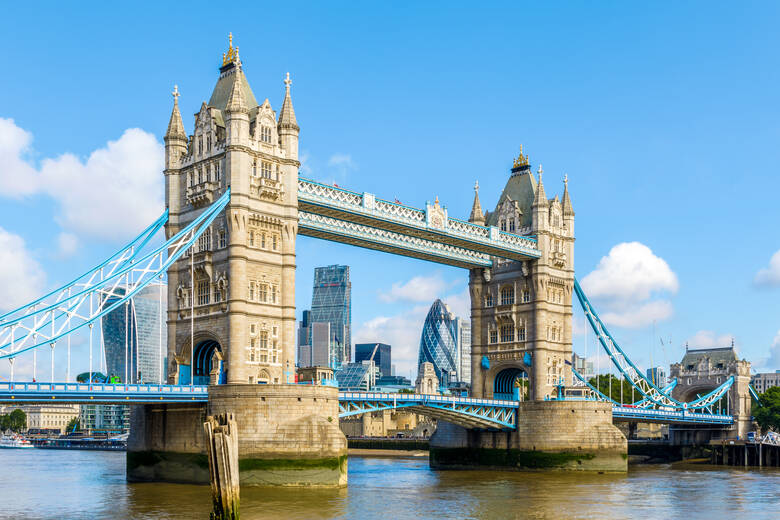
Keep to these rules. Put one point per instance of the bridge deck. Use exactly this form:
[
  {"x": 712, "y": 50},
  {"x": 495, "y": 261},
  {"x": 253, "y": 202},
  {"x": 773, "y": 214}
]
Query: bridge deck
[{"x": 464, "y": 411}]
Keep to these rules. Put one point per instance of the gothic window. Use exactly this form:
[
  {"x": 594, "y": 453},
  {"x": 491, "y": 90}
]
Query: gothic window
[
  {"x": 265, "y": 134},
  {"x": 264, "y": 346},
  {"x": 204, "y": 242},
  {"x": 502, "y": 224},
  {"x": 251, "y": 291},
  {"x": 273, "y": 300},
  {"x": 275, "y": 332},
  {"x": 222, "y": 238},
  {"x": 507, "y": 333},
  {"x": 252, "y": 349},
  {"x": 200, "y": 176},
  {"x": 253, "y": 329},
  {"x": 200, "y": 145},
  {"x": 489, "y": 300},
  {"x": 203, "y": 292},
  {"x": 526, "y": 296},
  {"x": 262, "y": 240},
  {"x": 254, "y": 168},
  {"x": 507, "y": 296},
  {"x": 217, "y": 172},
  {"x": 493, "y": 336},
  {"x": 274, "y": 244},
  {"x": 263, "y": 292},
  {"x": 266, "y": 169},
  {"x": 512, "y": 225},
  {"x": 208, "y": 143},
  {"x": 251, "y": 239},
  {"x": 521, "y": 333}
]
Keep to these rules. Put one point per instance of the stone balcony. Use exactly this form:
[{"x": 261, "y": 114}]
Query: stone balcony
[
  {"x": 202, "y": 194},
  {"x": 558, "y": 258},
  {"x": 266, "y": 188}
]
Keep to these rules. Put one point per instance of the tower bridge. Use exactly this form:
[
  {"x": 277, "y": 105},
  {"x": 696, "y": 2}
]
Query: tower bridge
[{"x": 235, "y": 204}]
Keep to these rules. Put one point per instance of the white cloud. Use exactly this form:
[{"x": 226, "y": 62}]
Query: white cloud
[
  {"x": 21, "y": 277},
  {"x": 342, "y": 160},
  {"x": 112, "y": 194},
  {"x": 67, "y": 243},
  {"x": 770, "y": 276},
  {"x": 402, "y": 331},
  {"x": 709, "y": 339},
  {"x": 773, "y": 362},
  {"x": 418, "y": 289},
  {"x": 629, "y": 284}
]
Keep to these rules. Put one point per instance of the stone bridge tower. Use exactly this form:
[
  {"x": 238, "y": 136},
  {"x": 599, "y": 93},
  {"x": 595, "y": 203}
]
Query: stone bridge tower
[
  {"x": 235, "y": 291},
  {"x": 231, "y": 306},
  {"x": 702, "y": 371},
  {"x": 521, "y": 311}
]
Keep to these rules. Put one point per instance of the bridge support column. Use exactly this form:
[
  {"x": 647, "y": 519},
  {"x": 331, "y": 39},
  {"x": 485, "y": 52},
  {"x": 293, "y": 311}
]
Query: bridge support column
[
  {"x": 288, "y": 435},
  {"x": 559, "y": 435}
]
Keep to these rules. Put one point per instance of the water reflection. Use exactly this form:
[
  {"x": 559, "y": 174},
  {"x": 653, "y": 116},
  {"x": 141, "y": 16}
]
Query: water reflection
[{"x": 90, "y": 485}]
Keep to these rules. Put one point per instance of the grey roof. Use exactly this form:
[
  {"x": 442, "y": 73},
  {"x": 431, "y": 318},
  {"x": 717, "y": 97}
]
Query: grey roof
[
  {"x": 223, "y": 88},
  {"x": 521, "y": 188},
  {"x": 175, "y": 125},
  {"x": 723, "y": 355}
]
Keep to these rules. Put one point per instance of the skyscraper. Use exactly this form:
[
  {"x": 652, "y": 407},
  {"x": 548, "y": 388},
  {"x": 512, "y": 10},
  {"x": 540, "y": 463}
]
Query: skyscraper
[
  {"x": 463, "y": 337},
  {"x": 438, "y": 343},
  {"x": 331, "y": 302},
  {"x": 379, "y": 352},
  {"x": 304, "y": 340},
  {"x": 135, "y": 338}
]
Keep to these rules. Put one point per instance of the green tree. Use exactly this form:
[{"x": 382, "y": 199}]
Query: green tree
[
  {"x": 73, "y": 424},
  {"x": 5, "y": 422},
  {"x": 604, "y": 386},
  {"x": 767, "y": 412},
  {"x": 17, "y": 420}
]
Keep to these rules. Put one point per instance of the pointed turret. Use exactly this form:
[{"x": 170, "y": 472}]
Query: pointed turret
[
  {"x": 540, "y": 199},
  {"x": 477, "y": 217},
  {"x": 567, "y": 209},
  {"x": 288, "y": 125},
  {"x": 175, "y": 136},
  {"x": 287, "y": 114},
  {"x": 176, "y": 125},
  {"x": 236, "y": 102}
]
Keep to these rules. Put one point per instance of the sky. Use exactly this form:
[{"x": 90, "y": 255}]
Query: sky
[{"x": 663, "y": 115}]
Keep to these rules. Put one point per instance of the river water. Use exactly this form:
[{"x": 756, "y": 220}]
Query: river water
[{"x": 91, "y": 485}]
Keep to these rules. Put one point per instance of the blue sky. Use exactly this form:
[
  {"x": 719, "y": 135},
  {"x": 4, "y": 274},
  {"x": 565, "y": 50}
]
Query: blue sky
[{"x": 664, "y": 116}]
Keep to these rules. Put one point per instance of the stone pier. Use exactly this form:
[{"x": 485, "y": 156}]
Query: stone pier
[
  {"x": 288, "y": 435},
  {"x": 551, "y": 435}
]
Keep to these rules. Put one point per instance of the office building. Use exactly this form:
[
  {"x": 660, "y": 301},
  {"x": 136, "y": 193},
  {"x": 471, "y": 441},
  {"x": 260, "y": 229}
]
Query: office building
[
  {"x": 135, "y": 336},
  {"x": 463, "y": 338},
  {"x": 438, "y": 343},
  {"x": 657, "y": 375},
  {"x": 304, "y": 340},
  {"x": 379, "y": 353},
  {"x": 765, "y": 381},
  {"x": 331, "y": 303}
]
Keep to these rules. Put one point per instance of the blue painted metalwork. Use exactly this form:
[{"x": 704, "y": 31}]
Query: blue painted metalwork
[
  {"x": 55, "y": 320},
  {"x": 627, "y": 413},
  {"x": 464, "y": 411},
  {"x": 754, "y": 393},
  {"x": 86, "y": 393},
  {"x": 630, "y": 371}
]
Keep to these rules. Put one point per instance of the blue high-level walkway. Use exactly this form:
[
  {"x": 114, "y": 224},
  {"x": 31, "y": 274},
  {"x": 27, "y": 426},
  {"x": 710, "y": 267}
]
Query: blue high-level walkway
[{"x": 463, "y": 411}]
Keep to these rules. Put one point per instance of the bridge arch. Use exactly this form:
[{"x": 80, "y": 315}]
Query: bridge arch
[
  {"x": 203, "y": 360},
  {"x": 193, "y": 360},
  {"x": 500, "y": 381}
]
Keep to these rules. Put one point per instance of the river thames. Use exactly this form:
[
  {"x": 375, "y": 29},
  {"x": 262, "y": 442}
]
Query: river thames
[{"x": 91, "y": 485}]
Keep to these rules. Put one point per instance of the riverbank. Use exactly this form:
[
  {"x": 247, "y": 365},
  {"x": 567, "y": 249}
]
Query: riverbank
[{"x": 401, "y": 454}]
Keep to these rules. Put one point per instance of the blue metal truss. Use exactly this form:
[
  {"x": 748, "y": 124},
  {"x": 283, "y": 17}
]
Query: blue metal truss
[
  {"x": 463, "y": 411},
  {"x": 631, "y": 414},
  {"x": 635, "y": 376},
  {"x": 83, "y": 393}
]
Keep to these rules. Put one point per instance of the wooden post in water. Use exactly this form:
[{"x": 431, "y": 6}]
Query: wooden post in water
[{"x": 222, "y": 446}]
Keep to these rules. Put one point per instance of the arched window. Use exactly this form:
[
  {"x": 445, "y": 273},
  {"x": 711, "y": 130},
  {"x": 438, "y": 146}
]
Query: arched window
[
  {"x": 521, "y": 333},
  {"x": 526, "y": 296},
  {"x": 493, "y": 336},
  {"x": 511, "y": 225},
  {"x": 489, "y": 300},
  {"x": 508, "y": 295},
  {"x": 502, "y": 224}
]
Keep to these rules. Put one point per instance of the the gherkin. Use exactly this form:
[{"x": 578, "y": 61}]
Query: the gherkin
[{"x": 438, "y": 343}]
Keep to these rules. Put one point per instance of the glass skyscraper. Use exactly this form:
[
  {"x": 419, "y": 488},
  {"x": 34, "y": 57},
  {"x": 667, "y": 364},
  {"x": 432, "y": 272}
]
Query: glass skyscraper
[
  {"x": 438, "y": 343},
  {"x": 463, "y": 328},
  {"x": 137, "y": 325},
  {"x": 331, "y": 302},
  {"x": 378, "y": 352}
]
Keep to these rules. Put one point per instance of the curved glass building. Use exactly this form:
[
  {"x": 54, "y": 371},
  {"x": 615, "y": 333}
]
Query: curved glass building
[{"x": 438, "y": 343}]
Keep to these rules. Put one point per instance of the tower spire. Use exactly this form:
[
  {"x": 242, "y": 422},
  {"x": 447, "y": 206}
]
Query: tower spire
[
  {"x": 175, "y": 125},
  {"x": 287, "y": 113},
  {"x": 236, "y": 101},
  {"x": 567, "y": 209},
  {"x": 540, "y": 199},
  {"x": 477, "y": 216}
]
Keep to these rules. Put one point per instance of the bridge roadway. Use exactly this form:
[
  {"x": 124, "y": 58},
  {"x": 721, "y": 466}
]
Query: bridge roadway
[{"x": 464, "y": 411}]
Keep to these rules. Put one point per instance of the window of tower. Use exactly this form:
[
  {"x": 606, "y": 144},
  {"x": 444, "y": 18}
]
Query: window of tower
[
  {"x": 217, "y": 172},
  {"x": 493, "y": 336},
  {"x": 502, "y": 224},
  {"x": 507, "y": 295},
  {"x": 263, "y": 292},
  {"x": 262, "y": 240},
  {"x": 265, "y": 134},
  {"x": 274, "y": 244},
  {"x": 203, "y": 292},
  {"x": 252, "y": 349},
  {"x": 251, "y": 291},
  {"x": 266, "y": 169},
  {"x": 254, "y": 168},
  {"x": 252, "y": 239},
  {"x": 208, "y": 143},
  {"x": 273, "y": 300},
  {"x": 489, "y": 300},
  {"x": 507, "y": 333},
  {"x": 526, "y": 296},
  {"x": 200, "y": 145},
  {"x": 512, "y": 225},
  {"x": 222, "y": 238},
  {"x": 521, "y": 334}
]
